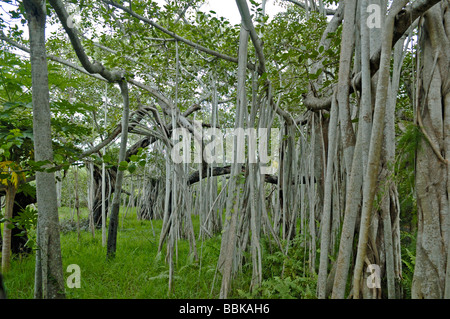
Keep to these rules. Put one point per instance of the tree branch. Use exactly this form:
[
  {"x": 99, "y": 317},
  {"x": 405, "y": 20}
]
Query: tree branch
[
  {"x": 403, "y": 22},
  {"x": 96, "y": 67},
  {"x": 226, "y": 170},
  {"x": 176, "y": 36},
  {"x": 302, "y": 5},
  {"x": 148, "y": 140},
  {"x": 248, "y": 25}
]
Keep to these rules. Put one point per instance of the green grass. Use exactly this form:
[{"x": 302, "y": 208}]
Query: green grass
[{"x": 136, "y": 271}]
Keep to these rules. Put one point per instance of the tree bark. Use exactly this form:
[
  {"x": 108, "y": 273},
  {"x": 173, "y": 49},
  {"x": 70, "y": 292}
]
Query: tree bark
[
  {"x": 6, "y": 243},
  {"x": 343, "y": 87},
  {"x": 97, "y": 206},
  {"x": 370, "y": 182},
  {"x": 326, "y": 215},
  {"x": 114, "y": 218},
  {"x": 432, "y": 181},
  {"x": 228, "y": 245},
  {"x": 49, "y": 273}
]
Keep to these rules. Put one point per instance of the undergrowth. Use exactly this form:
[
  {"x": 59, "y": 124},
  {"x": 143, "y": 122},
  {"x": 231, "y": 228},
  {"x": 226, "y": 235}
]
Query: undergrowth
[
  {"x": 285, "y": 276},
  {"x": 408, "y": 250},
  {"x": 137, "y": 270}
]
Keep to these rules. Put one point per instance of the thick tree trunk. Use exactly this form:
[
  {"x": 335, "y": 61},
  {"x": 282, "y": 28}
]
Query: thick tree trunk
[
  {"x": 152, "y": 204},
  {"x": 49, "y": 273},
  {"x": 371, "y": 174},
  {"x": 432, "y": 181}
]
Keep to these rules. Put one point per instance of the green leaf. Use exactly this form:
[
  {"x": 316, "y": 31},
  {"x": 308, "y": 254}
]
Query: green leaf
[
  {"x": 132, "y": 168},
  {"x": 123, "y": 166},
  {"x": 58, "y": 158},
  {"x": 142, "y": 163},
  {"x": 107, "y": 158}
]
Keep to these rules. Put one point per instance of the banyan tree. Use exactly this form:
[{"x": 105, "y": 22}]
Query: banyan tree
[{"x": 270, "y": 131}]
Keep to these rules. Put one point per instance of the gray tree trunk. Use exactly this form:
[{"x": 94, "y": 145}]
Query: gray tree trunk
[
  {"x": 371, "y": 175},
  {"x": 49, "y": 272},
  {"x": 7, "y": 232},
  {"x": 347, "y": 46},
  {"x": 228, "y": 246},
  {"x": 114, "y": 218},
  {"x": 325, "y": 237},
  {"x": 432, "y": 180}
]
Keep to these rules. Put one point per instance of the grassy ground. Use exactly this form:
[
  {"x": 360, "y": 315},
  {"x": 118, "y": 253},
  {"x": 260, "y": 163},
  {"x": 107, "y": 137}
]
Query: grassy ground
[{"x": 136, "y": 272}]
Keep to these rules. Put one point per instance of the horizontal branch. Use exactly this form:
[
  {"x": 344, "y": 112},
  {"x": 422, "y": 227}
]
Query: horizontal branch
[
  {"x": 403, "y": 21},
  {"x": 167, "y": 106},
  {"x": 226, "y": 170},
  {"x": 316, "y": 104},
  {"x": 96, "y": 67},
  {"x": 118, "y": 129},
  {"x": 51, "y": 57},
  {"x": 139, "y": 114}
]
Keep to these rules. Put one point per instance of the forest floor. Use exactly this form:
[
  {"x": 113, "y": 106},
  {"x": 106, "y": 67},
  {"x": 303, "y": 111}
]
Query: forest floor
[{"x": 137, "y": 270}]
